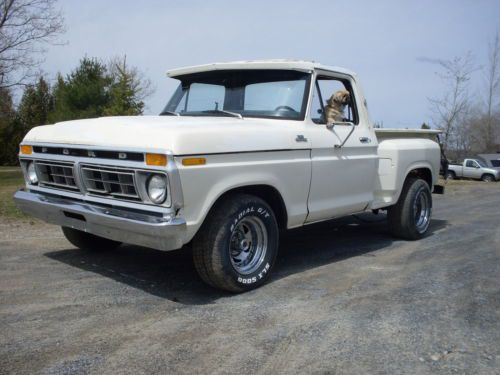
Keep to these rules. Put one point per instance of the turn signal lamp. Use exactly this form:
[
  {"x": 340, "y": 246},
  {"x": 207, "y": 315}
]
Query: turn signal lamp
[
  {"x": 156, "y": 159},
  {"x": 26, "y": 150},
  {"x": 194, "y": 161}
]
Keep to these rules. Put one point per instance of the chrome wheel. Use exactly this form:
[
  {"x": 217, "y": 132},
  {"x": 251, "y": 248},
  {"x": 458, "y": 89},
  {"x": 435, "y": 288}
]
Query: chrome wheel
[
  {"x": 248, "y": 245},
  {"x": 422, "y": 210}
]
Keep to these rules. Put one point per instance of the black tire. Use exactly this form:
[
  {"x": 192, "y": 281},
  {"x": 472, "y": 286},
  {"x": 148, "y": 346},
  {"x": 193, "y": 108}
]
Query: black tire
[
  {"x": 487, "y": 178},
  {"x": 450, "y": 175},
  {"x": 221, "y": 244},
  {"x": 415, "y": 200},
  {"x": 87, "y": 241}
]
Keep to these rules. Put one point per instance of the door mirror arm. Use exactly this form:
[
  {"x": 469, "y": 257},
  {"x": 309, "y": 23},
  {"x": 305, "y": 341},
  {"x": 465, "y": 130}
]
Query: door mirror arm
[{"x": 331, "y": 126}]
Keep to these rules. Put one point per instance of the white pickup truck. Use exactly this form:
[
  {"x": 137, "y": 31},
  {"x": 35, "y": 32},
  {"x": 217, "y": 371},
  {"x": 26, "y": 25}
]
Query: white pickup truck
[
  {"x": 240, "y": 153},
  {"x": 474, "y": 169}
]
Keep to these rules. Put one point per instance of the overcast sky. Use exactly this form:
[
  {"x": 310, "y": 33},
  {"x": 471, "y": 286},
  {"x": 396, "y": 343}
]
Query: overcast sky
[{"x": 380, "y": 40}]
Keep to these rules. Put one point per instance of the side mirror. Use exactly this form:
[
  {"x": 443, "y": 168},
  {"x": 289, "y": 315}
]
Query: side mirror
[{"x": 339, "y": 123}]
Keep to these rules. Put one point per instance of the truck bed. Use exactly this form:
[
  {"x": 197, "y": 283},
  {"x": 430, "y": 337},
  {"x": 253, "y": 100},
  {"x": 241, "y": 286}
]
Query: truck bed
[{"x": 406, "y": 133}]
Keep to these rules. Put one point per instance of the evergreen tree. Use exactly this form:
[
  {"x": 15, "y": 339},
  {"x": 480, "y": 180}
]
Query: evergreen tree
[
  {"x": 84, "y": 93},
  {"x": 6, "y": 106},
  {"x": 8, "y": 129},
  {"x": 36, "y": 104}
]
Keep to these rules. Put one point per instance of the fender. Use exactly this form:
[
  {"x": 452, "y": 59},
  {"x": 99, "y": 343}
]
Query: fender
[
  {"x": 288, "y": 172},
  {"x": 416, "y": 165}
]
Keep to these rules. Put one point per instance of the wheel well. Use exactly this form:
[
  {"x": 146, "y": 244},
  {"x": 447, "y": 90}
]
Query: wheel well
[
  {"x": 423, "y": 173},
  {"x": 268, "y": 194},
  {"x": 487, "y": 174}
]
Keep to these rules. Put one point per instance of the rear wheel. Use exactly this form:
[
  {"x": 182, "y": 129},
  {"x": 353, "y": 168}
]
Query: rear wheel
[
  {"x": 487, "y": 178},
  {"x": 410, "y": 217},
  {"x": 88, "y": 241},
  {"x": 237, "y": 245}
]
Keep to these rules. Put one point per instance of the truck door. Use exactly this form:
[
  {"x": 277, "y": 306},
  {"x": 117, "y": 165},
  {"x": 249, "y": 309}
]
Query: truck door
[
  {"x": 344, "y": 157},
  {"x": 471, "y": 169}
]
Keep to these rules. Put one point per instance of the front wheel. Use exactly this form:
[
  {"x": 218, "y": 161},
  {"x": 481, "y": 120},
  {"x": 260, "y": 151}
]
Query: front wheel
[
  {"x": 410, "y": 217},
  {"x": 237, "y": 245},
  {"x": 487, "y": 178},
  {"x": 450, "y": 175}
]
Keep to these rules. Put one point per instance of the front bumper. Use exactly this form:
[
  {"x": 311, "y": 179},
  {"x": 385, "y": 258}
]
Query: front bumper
[{"x": 115, "y": 223}]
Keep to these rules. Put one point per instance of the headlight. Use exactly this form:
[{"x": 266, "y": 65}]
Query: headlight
[
  {"x": 32, "y": 177},
  {"x": 157, "y": 188}
]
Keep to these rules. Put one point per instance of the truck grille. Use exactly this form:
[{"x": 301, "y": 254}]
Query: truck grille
[
  {"x": 57, "y": 175},
  {"x": 110, "y": 182}
]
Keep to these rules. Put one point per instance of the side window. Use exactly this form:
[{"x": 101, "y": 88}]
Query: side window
[
  {"x": 317, "y": 107},
  {"x": 470, "y": 164},
  {"x": 339, "y": 110}
]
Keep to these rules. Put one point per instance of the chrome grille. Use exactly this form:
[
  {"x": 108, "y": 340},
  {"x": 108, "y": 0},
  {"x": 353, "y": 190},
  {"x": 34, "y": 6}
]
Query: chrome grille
[
  {"x": 57, "y": 175},
  {"x": 110, "y": 182}
]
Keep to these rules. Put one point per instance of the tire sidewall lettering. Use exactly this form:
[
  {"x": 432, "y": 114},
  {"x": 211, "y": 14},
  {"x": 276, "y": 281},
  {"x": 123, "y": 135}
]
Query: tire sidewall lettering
[
  {"x": 262, "y": 212},
  {"x": 254, "y": 279}
]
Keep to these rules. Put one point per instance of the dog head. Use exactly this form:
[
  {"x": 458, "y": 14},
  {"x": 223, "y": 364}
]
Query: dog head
[{"x": 341, "y": 97}]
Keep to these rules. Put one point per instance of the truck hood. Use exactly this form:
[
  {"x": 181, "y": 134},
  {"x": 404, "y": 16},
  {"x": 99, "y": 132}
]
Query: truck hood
[
  {"x": 492, "y": 169},
  {"x": 178, "y": 134}
]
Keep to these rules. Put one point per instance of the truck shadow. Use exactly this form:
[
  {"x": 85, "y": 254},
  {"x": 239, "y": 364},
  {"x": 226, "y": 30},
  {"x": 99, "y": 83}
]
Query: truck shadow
[{"x": 172, "y": 275}]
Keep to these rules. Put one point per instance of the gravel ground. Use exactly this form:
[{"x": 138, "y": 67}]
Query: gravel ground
[{"x": 346, "y": 298}]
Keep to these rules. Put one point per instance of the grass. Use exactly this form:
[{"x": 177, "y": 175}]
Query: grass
[{"x": 11, "y": 179}]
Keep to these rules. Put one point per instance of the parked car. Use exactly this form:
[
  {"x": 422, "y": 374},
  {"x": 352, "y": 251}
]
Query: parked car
[
  {"x": 474, "y": 169},
  {"x": 241, "y": 152}
]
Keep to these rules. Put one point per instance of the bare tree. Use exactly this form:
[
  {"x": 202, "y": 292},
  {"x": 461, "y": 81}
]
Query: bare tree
[
  {"x": 26, "y": 27},
  {"x": 450, "y": 109},
  {"x": 129, "y": 88},
  {"x": 492, "y": 77},
  {"x": 141, "y": 86}
]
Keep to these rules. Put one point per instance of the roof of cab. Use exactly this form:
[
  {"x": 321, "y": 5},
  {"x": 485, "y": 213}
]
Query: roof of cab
[{"x": 300, "y": 65}]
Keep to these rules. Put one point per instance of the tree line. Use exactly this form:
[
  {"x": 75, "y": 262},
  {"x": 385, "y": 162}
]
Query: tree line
[
  {"x": 469, "y": 119},
  {"x": 93, "y": 89}
]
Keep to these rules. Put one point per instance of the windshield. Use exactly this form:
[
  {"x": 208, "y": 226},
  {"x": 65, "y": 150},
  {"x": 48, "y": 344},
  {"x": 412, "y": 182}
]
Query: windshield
[
  {"x": 249, "y": 93},
  {"x": 481, "y": 163}
]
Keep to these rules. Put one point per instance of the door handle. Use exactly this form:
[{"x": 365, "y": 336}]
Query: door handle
[
  {"x": 364, "y": 140},
  {"x": 300, "y": 138}
]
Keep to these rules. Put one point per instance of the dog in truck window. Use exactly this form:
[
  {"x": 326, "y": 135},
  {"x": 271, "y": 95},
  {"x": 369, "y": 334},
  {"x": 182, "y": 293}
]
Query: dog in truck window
[{"x": 334, "y": 109}]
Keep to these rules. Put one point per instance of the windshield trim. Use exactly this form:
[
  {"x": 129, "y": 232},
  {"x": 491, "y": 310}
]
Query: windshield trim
[{"x": 188, "y": 78}]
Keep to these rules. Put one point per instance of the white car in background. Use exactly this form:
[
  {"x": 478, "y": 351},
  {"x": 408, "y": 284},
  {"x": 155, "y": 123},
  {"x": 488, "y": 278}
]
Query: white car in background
[{"x": 474, "y": 169}]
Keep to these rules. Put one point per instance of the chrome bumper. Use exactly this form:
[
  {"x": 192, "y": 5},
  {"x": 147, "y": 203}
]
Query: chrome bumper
[{"x": 116, "y": 223}]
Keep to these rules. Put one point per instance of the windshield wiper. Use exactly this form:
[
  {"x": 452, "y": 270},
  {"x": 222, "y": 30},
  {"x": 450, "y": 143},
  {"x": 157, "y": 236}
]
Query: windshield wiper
[
  {"x": 165, "y": 113},
  {"x": 216, "y": 111}
]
